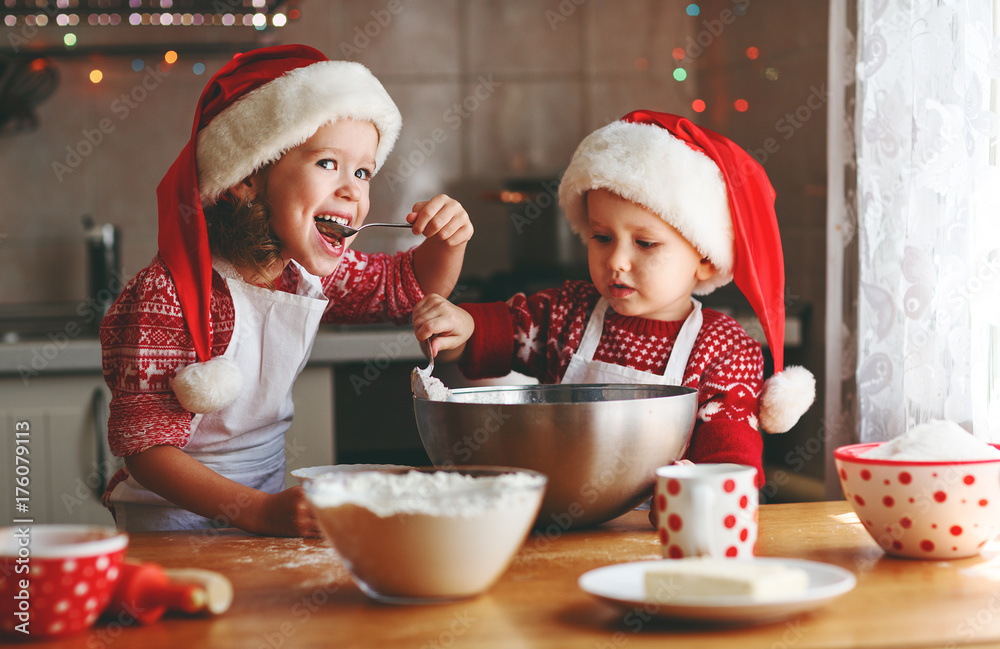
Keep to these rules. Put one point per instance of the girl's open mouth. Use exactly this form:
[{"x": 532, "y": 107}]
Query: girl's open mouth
[{"x": 327, "y": 230}]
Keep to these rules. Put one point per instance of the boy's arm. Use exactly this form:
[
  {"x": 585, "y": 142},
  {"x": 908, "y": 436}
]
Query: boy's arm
[
  {"x": 728, "y": 392},
  {"x": 437, "y": 261},
  {"x": 725, "y": 441},
  {"x": 491, "y": 339},
  {"x": 173, "y": 474}
]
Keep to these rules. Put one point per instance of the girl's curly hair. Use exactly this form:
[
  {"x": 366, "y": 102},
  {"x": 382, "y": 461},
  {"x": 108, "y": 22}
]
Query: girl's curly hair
[{"x": 239, "y": 231}]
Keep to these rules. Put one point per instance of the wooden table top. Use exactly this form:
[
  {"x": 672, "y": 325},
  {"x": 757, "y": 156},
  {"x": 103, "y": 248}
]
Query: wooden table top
[{"x": 294, "y": 593}]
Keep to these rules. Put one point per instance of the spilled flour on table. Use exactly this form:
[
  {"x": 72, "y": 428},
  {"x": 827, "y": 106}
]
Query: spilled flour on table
[{"x": 316, "y": 555}]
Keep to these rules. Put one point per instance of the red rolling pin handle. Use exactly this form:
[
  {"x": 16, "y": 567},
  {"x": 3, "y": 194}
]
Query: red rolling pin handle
[{"x": 145, "y": 592}]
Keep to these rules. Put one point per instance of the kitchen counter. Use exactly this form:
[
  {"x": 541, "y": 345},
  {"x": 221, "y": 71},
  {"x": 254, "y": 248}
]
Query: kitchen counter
[
  {"x": 294, "y": 593},
  {"x": 64, "y": 352},
  {"x": 72, "y": 349}
]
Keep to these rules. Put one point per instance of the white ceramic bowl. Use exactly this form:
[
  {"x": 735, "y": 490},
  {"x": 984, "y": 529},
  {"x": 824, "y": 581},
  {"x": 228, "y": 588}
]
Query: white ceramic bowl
[
  {"x": 426, "y": 535},
  {"x": 922, "y": 510}
]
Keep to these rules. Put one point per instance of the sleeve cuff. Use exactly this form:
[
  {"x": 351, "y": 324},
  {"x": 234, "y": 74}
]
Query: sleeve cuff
[
  {"x": 410, "y": 285},
  {"x": 490, "y": 350}
]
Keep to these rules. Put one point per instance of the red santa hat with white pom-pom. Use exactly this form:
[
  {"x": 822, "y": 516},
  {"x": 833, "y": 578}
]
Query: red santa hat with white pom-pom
[
  {"x": 719, "y": 198},
  {"x": 260, "y": 105}
]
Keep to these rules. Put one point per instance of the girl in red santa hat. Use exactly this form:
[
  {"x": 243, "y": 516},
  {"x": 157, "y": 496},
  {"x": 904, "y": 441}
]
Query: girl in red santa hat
[
  {"x": 667, "y": 209},
  {"x": 203, "y": 345}
]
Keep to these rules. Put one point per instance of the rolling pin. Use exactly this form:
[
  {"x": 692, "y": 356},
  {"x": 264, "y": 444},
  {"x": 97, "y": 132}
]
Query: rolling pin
[{"x": 145, "y": 591}]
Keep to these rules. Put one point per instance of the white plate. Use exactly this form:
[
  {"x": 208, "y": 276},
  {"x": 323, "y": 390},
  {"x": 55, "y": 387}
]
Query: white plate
[
  {"x": 311, "y": 472},
  {"x": 623, "y": 585}
]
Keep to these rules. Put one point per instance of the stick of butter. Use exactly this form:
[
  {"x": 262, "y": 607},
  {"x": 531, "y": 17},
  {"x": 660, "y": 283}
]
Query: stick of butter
[{"x": 692, "y": 577}]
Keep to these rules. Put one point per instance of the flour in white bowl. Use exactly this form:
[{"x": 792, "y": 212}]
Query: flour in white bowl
[
  {"x": 937, "y": 440},
  {"x": 437, "y": 493}
]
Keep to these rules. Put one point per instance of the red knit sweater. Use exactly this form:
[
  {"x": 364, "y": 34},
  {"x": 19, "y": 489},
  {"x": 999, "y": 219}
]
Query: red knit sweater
[
  {"x": 144, "y": 339},
  {"x": 537, "y": 335}
]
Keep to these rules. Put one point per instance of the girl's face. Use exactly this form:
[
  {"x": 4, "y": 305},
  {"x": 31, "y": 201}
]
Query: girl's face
[
  {"x": 639, "y": 263},
  {"x": 325, "y": 177}
]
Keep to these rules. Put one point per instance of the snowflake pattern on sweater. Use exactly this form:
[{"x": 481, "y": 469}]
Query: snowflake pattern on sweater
[
  {"x": 538, "y": 335},
  {"x": 144, "y": 339}
]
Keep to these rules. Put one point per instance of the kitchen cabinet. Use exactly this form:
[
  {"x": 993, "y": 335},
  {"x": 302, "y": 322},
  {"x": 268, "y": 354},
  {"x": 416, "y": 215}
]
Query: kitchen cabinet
[
  {"x": 61, "y": 419},
  {"x": 68, "y": 459},
  {"x": 310, "y": 440}
]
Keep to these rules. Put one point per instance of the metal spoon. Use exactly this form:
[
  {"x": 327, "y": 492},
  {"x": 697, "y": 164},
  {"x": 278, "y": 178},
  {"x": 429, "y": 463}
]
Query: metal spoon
[
  {"x": 340, "y": 230},
  {"x": 426, "y": 347}
]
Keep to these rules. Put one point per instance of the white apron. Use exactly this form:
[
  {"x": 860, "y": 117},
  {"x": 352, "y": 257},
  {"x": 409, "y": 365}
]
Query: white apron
[
  {"x": 584, "y": 369},
  {"x": 273, "y": 335}
]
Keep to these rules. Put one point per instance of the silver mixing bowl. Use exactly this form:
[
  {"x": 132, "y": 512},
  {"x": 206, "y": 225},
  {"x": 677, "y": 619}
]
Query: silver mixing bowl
[{"x": 599, "y": 444}]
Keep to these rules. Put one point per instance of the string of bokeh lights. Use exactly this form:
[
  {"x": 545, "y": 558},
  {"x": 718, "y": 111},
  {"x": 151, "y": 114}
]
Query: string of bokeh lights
[
  {"x": 251, "y": 19},
  {"x": 66, "y": 17}
]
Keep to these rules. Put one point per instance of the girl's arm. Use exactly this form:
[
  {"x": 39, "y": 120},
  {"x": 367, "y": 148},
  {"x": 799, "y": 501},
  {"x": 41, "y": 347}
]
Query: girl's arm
[
  {"x": 437, "y": 261},
  {"x": 189, "y": 484}
]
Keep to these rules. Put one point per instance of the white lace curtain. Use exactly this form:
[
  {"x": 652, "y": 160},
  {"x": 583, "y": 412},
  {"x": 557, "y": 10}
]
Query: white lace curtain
[{"x": 915, "y": 245}]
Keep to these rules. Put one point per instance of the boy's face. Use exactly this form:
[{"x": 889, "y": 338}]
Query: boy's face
[
  {"x": 325, "y": 176},
  {"x": 639, "y": 263}
]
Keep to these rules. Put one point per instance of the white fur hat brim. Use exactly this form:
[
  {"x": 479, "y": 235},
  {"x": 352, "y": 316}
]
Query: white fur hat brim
[
  {"x": 260, "y": 127},
  {"x": 647, "y": 165}
]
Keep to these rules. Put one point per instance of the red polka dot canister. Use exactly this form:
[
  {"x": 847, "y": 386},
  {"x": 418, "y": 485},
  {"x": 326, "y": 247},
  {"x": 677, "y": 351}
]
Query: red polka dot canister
[
  {"x": 922, "y": 510},
  {"x": 706, "y": 510},
  {"x": 55, "y": 580}
]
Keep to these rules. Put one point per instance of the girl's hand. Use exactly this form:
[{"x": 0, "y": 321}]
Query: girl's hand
[
  {"x": 442, "y": 218},
  {"x": 178, "y": 477},
  {"x": 287, "y": 513},
  {"x": 445, "y": 327}
]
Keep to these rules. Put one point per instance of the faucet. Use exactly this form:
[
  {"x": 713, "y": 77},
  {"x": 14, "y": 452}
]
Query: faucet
[{"x": 104, "y": 272}]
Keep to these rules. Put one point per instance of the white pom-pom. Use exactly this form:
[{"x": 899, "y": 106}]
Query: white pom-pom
[
  {"x": 206, "y": 387},
  {"x": 785, "y": 398}
]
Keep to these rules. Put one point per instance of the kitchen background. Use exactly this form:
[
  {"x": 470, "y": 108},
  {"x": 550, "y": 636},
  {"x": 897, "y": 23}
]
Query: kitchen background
[{"x": 495, "y": 96}]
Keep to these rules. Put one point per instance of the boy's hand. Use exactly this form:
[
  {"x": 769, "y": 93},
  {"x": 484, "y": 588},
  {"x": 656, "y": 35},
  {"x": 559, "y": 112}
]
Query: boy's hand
[
  {"x": 443, "y": 218},
  {"x": 448, "y": 325}
]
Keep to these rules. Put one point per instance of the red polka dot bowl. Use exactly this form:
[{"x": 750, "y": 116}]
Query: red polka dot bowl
[
  {"x": 55, "y": 580},
  {"x": 922, "y": 510}
]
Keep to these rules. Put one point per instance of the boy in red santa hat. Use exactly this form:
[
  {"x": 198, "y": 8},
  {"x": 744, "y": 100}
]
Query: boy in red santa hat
[
  {"x": 203, "y": 345},
  {"x": 667, "y": 209}
]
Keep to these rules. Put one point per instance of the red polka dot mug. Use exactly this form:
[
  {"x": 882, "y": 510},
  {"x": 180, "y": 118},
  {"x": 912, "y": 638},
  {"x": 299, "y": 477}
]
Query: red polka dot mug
[
  {"x": 706, "y": 510},
  {"x": 922, "y": 510},
  {"x": 55, "y": 580}
]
